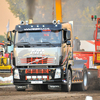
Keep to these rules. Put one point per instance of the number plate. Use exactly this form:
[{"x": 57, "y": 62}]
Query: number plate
[{"x": 36, "y": 82}]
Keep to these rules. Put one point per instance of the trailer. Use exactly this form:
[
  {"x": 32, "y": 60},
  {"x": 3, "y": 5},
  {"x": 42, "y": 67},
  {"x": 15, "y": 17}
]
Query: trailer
[{"x": 92, "y": 57}]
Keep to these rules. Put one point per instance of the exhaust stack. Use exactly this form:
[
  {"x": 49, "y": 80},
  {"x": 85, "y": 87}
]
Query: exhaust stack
[
  {"x": 31, "y": 10},
  {"x": 30, "y": 21}
]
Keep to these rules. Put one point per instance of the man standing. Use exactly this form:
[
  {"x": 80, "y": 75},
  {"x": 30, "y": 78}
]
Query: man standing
[{"x": 76, "y": 43}]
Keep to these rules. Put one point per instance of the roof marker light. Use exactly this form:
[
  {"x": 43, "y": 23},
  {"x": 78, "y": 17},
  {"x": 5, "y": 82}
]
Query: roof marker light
[
  {"x": 43, "y": 26},
  {"x": 56, "y": 25},
  {"x": 26, "y": 22},
  {"x": 19, "y": 26},
  {"x": 58, "y": 21},
  {"x": 31, "y": 25}
]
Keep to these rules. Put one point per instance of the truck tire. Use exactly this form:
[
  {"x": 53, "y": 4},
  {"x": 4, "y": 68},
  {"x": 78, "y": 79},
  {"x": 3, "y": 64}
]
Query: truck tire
[
  {"x": 22, "y": 88},
  {"x": 40, "y": 87},
  {"x": 67, "y": 87},
  {"x": 84, "y": 85}
]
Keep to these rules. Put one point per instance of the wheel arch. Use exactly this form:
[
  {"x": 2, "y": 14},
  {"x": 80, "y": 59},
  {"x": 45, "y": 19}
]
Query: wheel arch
[{"x": 69, "y": 67}]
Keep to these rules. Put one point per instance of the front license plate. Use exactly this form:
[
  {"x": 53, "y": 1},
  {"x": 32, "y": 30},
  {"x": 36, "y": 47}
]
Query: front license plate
[{"x": 36, "y": 82}]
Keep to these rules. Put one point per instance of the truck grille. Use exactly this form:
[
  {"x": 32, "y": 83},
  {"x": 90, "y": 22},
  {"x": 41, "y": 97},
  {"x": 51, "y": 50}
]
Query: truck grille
[
  {"x": 36, "y": 71},
  {"x": 37, "y": 60}
]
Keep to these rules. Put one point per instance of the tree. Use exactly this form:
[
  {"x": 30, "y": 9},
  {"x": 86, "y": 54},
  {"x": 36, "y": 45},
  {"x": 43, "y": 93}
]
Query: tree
[
  {"x": 18, "y": 8},
  {"x": 2, "y": 38},
  {"x": 42, "y": 11},
  {"x": 79, "y": 11}
]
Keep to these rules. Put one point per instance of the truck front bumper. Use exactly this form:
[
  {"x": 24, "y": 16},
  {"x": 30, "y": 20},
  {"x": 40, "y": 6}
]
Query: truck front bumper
[{"x": 39, "y": 76}]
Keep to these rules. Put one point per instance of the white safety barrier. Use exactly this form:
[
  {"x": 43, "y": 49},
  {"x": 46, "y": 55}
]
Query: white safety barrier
[
  {"x": 87, "y": 45},
  {"x": 5, "y": 79},
  {"x": 88, "y": 98}
]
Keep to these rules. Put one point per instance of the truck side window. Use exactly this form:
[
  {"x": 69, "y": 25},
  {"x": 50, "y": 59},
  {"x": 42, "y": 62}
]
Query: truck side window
[{"x": 64, "y": 35}]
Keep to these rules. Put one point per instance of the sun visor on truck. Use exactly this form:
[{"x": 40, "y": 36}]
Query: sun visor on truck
[{"x": 38, "y": 27}]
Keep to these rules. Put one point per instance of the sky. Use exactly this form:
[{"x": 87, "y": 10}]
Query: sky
[{"x": 5, "y": 15}]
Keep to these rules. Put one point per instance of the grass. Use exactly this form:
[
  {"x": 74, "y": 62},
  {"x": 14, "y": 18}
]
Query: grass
[{"x": 5, "y": 84}]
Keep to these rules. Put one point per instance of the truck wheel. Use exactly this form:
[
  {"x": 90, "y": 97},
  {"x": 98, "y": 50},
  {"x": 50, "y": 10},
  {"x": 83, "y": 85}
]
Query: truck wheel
[
  {"x": 84, "y": 85},
  {"x": 67, "y": 87},
  {"x": 20, "y": 88}
]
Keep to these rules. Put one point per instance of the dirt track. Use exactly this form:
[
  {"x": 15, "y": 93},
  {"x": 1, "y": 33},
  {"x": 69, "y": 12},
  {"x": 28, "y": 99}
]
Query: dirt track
[{"x": 9, "y": 93}]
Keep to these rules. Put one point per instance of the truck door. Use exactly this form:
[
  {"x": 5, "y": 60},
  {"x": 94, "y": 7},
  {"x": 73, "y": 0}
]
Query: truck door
[{"x": 64, "y": 46}]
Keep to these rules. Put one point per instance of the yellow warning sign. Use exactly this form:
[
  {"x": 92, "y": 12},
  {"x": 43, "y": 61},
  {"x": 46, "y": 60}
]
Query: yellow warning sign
[{"x": 98, "y": 56}]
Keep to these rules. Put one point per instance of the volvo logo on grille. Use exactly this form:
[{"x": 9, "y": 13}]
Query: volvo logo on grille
[
  {"x": 37, "y": 60},
  {"x": 37, "y": 51}
]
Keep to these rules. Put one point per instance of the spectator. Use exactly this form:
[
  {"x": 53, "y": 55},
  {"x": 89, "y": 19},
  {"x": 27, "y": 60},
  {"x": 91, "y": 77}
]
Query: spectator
[
  {"x": 77, "y": 44},
  {"x": 26, "y": 38},
  {"x": 55, "y": 36}
]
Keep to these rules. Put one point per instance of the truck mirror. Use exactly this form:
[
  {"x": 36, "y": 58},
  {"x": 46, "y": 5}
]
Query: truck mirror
[
  {"x": 68, "y": 42},
  {"x": 9, "y": 44},
  {"x": 68, "y": 35},
  {"x": 9, "y": 36}
]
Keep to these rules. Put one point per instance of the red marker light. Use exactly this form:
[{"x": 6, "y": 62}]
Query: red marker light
[
  {"x": 46, "y": 30},
  {"x": 92, "y": 17},
  {"x": 46, "y": 34}
]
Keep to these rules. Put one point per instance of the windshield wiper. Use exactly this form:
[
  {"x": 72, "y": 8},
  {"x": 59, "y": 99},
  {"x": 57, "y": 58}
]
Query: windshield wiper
[
  {"x": 46, "y": 42},
  {"x": 22, "y": 43}
]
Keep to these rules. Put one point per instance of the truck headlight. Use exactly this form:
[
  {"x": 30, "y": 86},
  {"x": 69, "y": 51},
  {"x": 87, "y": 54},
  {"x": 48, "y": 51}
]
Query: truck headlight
[
  {"x": 58, "y": 73},
  {"x": 16, "y": 74}
]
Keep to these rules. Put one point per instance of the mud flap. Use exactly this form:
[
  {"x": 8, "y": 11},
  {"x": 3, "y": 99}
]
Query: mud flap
[
  {"x": 77, "y": 69},
  {"x": 98, "y": 73},
  {"x": 78, "y": 80},
  {"x": 79, "y": 64},
  {"x": 94, "y": 80}
]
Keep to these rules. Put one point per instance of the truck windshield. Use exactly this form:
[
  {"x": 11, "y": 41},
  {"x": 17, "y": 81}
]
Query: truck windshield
[
  {"x": 98, "y": 34},
  {"x": 38, "y": 37}
]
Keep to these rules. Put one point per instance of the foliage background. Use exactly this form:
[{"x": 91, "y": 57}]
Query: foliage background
[{"x": 78, "y": 11}]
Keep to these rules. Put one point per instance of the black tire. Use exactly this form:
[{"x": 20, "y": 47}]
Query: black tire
[
  {"x": 40, "y": 87},
  {"x": 84, "y": 85},
  {"x": 67, "y": 87},
  {"x": 19, "y": 89}
]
